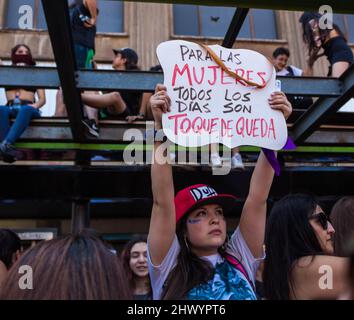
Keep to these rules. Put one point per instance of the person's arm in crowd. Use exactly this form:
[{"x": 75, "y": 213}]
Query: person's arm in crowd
[
  {"x": 253, "y": 218},
  {"x": 41, "y": 99},
  {"x": 339, "y": 68},
  {"x": 320, "y": 277},
  {"x": 163, "y": 221},
  {"x": 91, "y": 5}
]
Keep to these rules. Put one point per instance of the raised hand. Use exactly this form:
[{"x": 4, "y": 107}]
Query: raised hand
[
  {"x": 279, "y": 101},
  {"x": 160, "y": 103}
]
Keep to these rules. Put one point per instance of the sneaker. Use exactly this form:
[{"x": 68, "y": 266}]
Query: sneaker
[
  {"x": 8, "y": 152},
  {"x": 236, "y": 161},
  {"x": 215, "y": 160},
  {"x": 99, "y": 158},
  {"x": 92, "y": 127}
]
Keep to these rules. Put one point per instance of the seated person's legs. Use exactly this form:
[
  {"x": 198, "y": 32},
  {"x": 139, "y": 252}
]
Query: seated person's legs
[
  {"x": 113, "y": 102},
  {"x": 91, "y": 113},
  {"x": 60, "y": 109},
  {"x": 23, "y": 118},
  {"x": 4, "y": 122},
  {"x": 91, "y": 122},
  {"x": 23, "y": 115},
  {"x": 145, "y": 112},
  {"x": 145, "y": 106}
]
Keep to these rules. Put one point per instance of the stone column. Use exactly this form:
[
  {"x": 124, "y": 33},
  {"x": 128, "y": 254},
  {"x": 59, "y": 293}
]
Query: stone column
[{"x": 148, "y": 25}]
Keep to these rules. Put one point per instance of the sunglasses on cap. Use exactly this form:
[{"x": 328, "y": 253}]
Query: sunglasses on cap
[{"x": 322, "y": 218}]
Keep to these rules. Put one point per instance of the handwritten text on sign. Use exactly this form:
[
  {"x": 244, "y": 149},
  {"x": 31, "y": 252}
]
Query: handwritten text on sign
[{"x": 208, "y": 105}]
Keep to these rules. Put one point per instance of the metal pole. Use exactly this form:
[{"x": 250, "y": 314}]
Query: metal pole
[
  {"x": 80, "y": 215},
  {"x": 235, "y": 27}
]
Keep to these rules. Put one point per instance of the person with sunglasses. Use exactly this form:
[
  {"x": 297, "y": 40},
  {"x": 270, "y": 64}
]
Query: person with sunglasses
[{"x": 299, "y": 261}]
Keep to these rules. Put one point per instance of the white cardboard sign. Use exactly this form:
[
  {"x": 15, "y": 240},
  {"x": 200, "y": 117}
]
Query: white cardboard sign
[{"x": 209, "y": 106}]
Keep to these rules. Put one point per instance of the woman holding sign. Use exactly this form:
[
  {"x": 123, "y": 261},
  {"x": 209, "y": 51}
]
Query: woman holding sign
[{"x": 189, "y": 256}]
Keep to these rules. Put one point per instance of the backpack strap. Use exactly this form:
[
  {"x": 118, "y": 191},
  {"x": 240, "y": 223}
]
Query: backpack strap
[
  {"x": 290, "y": 70},
  {"x": 238, "y": 265}
]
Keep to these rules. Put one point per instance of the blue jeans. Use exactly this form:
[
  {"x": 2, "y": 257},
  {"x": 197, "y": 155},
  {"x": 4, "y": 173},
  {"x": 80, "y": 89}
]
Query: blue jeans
[
  {"x": 23, "y": 115},
  {"x": 81, "y": 55}
]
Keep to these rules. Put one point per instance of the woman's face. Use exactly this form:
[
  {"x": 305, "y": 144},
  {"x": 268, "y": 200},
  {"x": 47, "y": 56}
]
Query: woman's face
[
  {"x": 206, "y": 229},
  {"x": 138, "y": 260},
  {"x": 323, "y": 229},
  {"x": 22, "y": 51}
]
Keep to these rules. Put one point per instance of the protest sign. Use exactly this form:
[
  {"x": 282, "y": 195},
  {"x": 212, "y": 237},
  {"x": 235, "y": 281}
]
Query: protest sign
[{"x": 209, "y": 105}]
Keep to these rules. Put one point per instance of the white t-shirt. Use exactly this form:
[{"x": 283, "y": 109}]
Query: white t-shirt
[
  {"x": 236, "y": 286},
  {"x": 284, "y": 72}
]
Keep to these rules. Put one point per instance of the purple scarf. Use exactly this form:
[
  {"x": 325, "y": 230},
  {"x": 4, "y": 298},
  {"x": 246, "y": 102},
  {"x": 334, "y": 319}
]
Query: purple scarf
[{"x": 272, "y": 159}]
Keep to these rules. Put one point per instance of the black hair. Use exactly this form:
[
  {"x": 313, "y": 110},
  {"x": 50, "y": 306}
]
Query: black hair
[
  {"x": 308, "y": 36},
  {"x": 289, "y": 236},
  {"x": 15, "y": 48},
  {"x": 9, "y": 244},
  {"x": 190, "y": 270},
  {"x": 281, "y": 50}
]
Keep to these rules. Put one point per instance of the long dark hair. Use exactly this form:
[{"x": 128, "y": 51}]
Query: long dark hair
[
  {"x": 30, "y": 61},
  {"x": 289, "y": 236},
  {"x": 342, "y": 216},
  {"x": 126, "y": 260},
  {"x": 308, "y": 33},
  {"x": 189, "y": 271},
  {"x": 9, "y": 244},
  {"x": 74, "y": 267}
]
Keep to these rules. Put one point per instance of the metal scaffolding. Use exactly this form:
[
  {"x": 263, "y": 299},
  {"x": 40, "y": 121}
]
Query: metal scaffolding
[{"x": 310, "y": 127}]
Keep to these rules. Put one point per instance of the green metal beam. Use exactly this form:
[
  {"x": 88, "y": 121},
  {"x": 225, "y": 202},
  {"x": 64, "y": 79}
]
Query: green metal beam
[
  {"x": 338, "y": 6},
  {"x": 141, "y": 147}
]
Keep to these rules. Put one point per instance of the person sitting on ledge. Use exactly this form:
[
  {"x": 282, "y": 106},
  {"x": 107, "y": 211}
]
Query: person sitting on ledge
[
  {"x": 21, "y": 105},
  {"x": 116, "y": 104}
]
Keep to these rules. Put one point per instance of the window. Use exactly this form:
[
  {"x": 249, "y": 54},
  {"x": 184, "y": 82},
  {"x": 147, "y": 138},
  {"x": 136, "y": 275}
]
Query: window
[
  {"x": 29, "y": 14},
  {"x": 110, "y": 18},
  {"x": 192, "y": 20},
  {"x": 346, "y": 24}
]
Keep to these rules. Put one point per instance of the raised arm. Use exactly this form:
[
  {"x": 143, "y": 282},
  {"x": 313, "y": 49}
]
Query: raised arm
[
  {"x": 253, "y": 218},
  {"x": 163, "y": 221}
]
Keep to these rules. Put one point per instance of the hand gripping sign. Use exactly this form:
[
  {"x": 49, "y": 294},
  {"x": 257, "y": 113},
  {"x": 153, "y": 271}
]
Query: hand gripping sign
[{"x": 219, "y": 95}]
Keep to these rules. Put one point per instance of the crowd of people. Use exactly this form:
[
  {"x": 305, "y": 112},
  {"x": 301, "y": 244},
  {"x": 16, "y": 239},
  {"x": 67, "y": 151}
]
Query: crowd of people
[{"x": 187, "y": 254}]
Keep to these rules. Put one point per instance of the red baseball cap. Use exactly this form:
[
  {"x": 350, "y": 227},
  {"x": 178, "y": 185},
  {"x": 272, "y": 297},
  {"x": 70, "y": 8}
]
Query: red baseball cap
[{"x": 197, "y": 195}]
